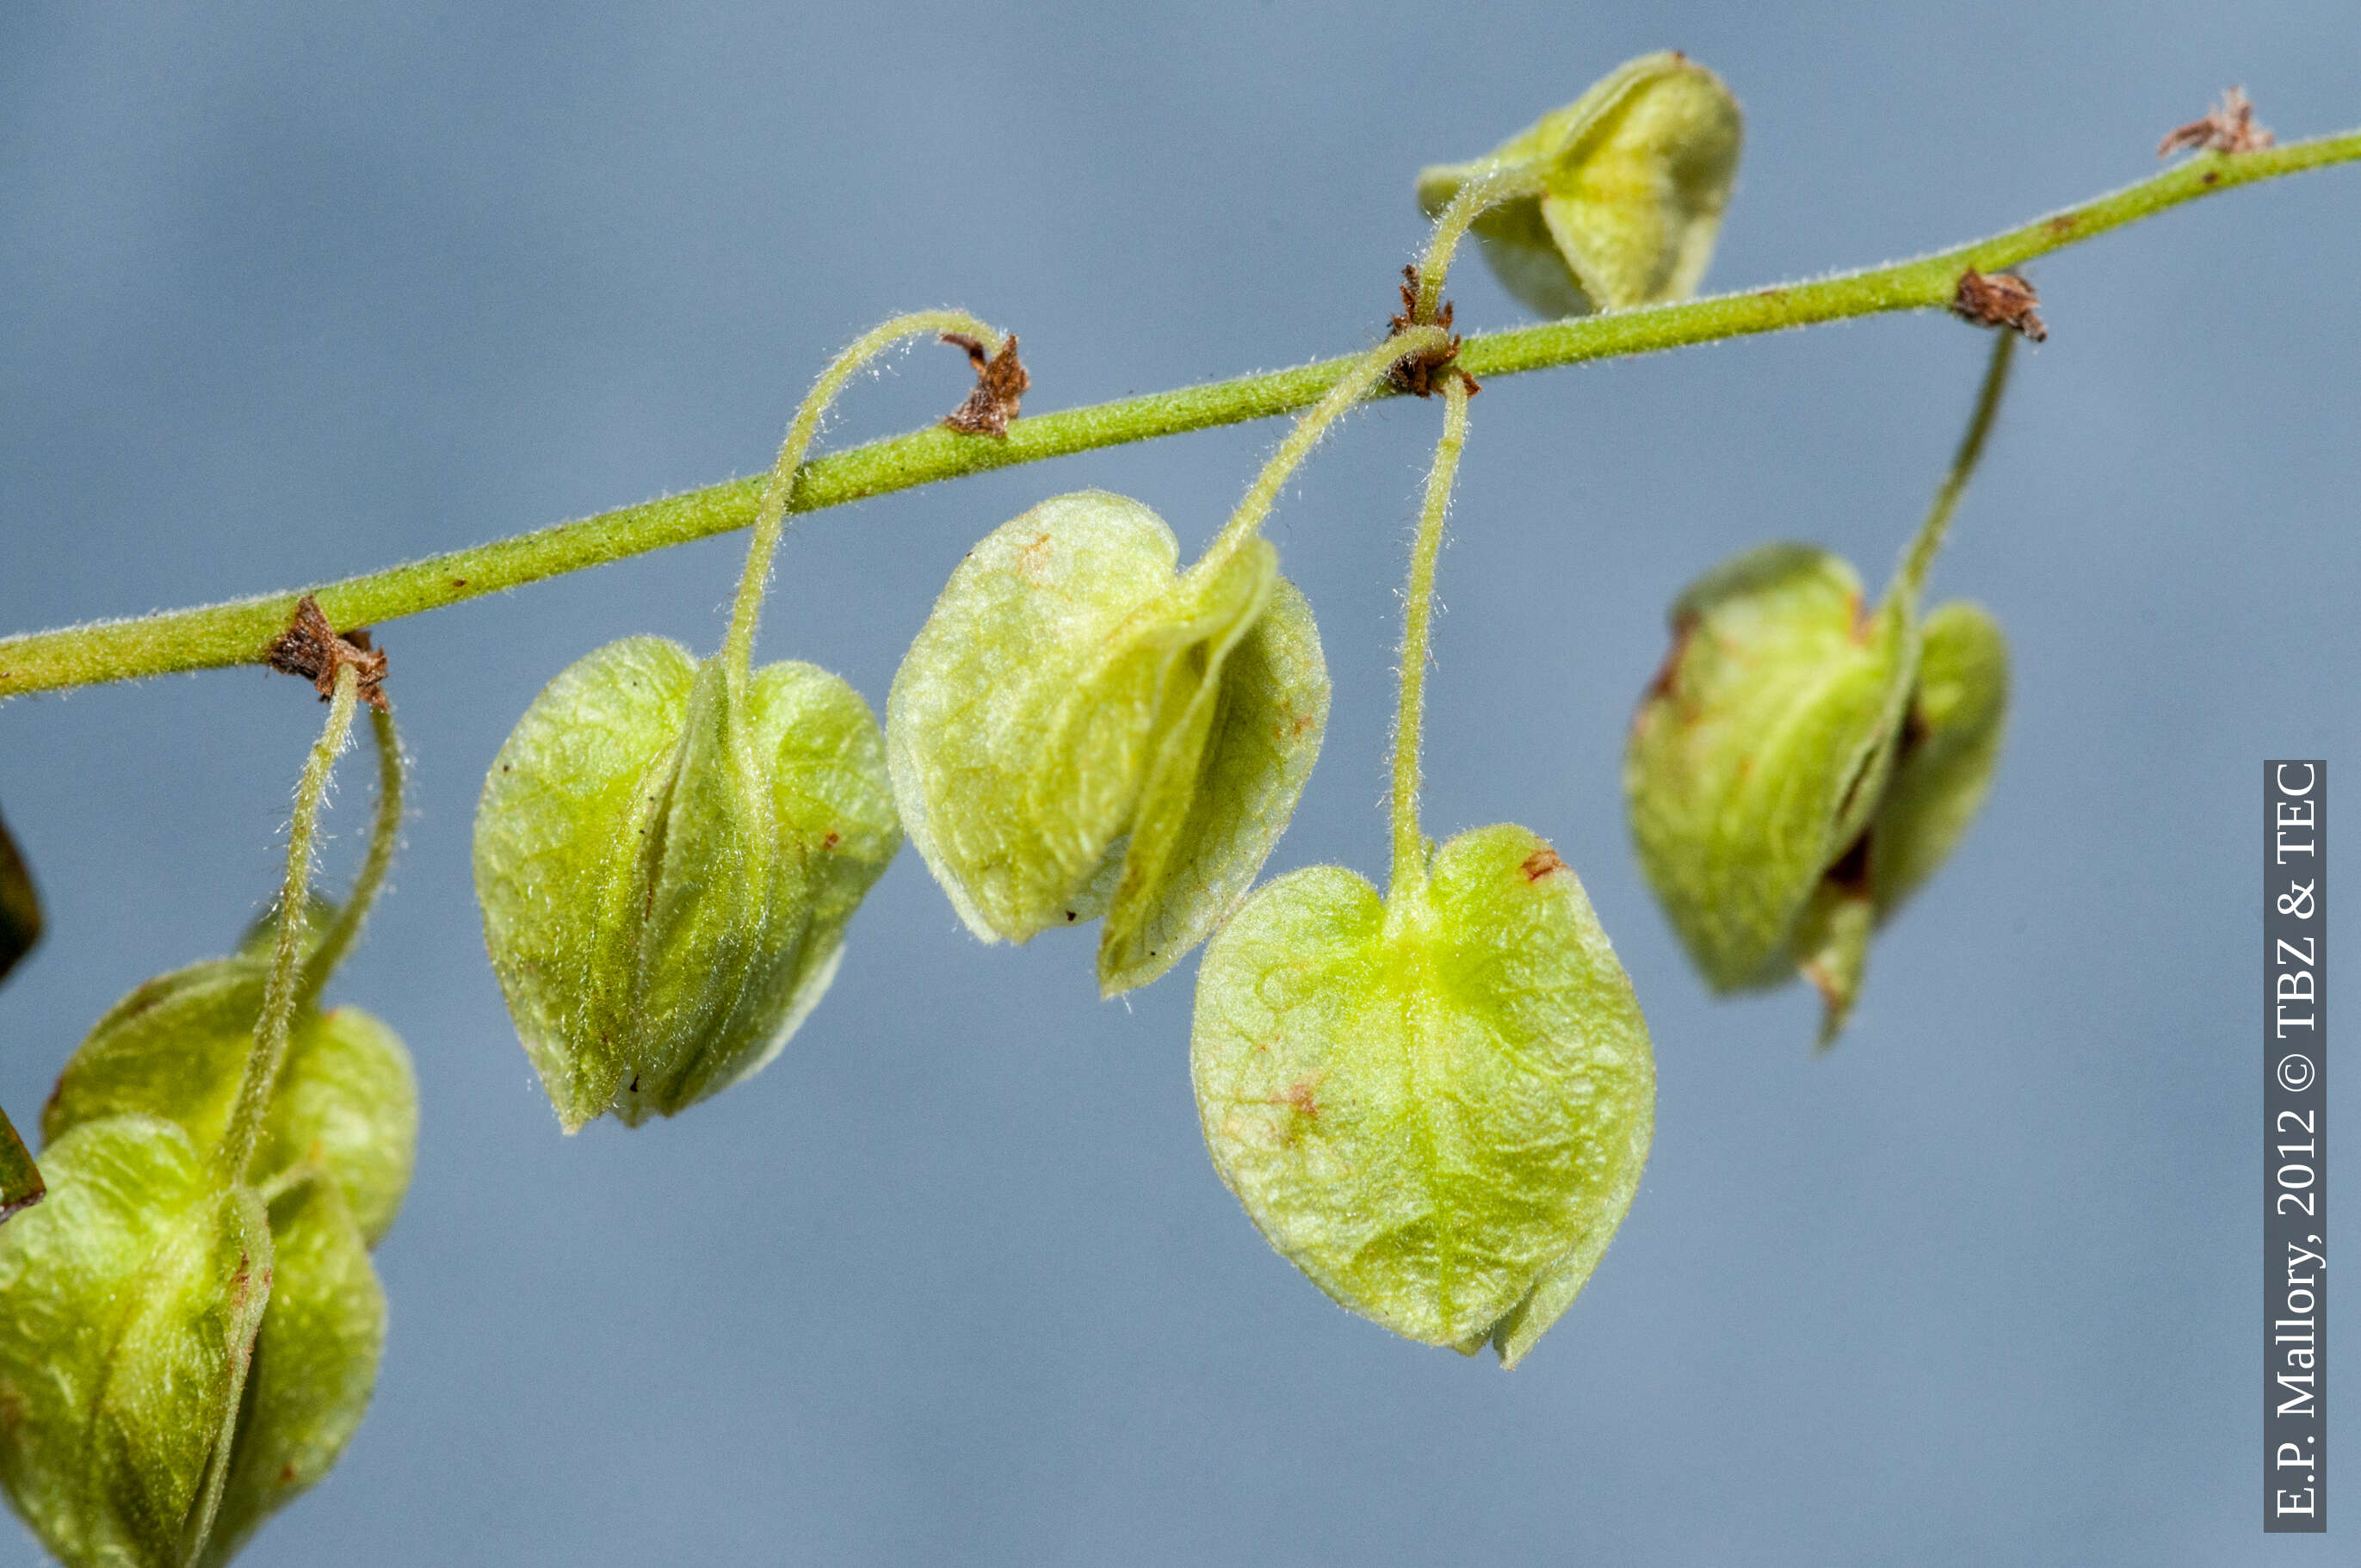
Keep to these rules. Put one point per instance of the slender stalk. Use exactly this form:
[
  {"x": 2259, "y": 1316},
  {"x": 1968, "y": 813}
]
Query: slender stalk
[
  {"x": 279, "y": 994},
  {"x": 1365, "y": 373},
  {"x": 1912, "y": 577},
  {"x": 240, "y": 632},
  {"x": 771, "y": 509},
  {"x": 385, "y": 832},
  {"x": 1418, "y": 612},
  {"x": 1468, "y": 203}
]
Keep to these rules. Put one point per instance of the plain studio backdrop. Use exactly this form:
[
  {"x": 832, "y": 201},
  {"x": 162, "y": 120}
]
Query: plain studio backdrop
[{"x": 288, "y": 292}]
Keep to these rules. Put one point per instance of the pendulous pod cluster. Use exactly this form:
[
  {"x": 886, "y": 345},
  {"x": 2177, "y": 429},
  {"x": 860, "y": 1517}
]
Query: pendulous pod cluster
[
  {"x": 1802, "y": 763},
  {"x": 1081, "y": 730},
  {"x": 185, "y": 1349}
]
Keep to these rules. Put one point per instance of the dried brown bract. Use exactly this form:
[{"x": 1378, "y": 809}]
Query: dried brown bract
[
  {"x": 1999, "y": 299},
  {"x": 1420, "y": 374},
  {"x": 1000, "y": 385},
  {"x": 2228, "y": 128},
  {"x": 309, "y": 648}
]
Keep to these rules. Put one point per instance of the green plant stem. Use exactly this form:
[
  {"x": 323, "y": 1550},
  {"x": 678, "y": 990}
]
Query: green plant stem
[
  {"x": 270, "y": 1030},
  {"x": 770, "y": 510},
  {"x": 1365, "y": 372},
  {"x": 241, "y": 631},
  {"x": 1418, "y": 614},
  {"x": 1912, "y": 578},
  {"x": 385, "y": 833},
  {"x": 1468, "y": 203}
]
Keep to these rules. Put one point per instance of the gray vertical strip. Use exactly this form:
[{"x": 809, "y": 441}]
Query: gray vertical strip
[{"x": 2295, "y": 1146}]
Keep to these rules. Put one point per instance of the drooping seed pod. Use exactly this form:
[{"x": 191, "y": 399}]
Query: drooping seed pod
[
  {"x": 1080, "y": 728},
  {"x": 129, "y": 1302},
  {"x": 315, "y": 1364},
  {"x": 1944, "y": 761},
  {"x": 1948, "y": 752},
  {"x": 666, "y": 854},
  {"x": 1803, "y": 762},
  {"x": 1626, "y": 193},
  {"x": 347, "y": 1099},
  {"x": 1760, "y": 752},
  {"x": 1437, "y": 1104}
]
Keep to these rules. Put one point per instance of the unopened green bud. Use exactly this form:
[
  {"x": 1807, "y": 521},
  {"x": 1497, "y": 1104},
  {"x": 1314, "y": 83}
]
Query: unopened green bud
[
  {"x": 667, "y": 854},
  {"x": 129, "y": 1303},
  {"x": 1626, "y": 190},
  {"x": 347, "y": 1099},
  {"x": 1802, "y": 762},
  {"x": 1436, "y": 1105},
  {"x": 1080, "y": 730}
]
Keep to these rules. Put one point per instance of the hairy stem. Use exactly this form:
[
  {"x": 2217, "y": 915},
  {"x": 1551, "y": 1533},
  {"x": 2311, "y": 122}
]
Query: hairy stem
[
  {"x": 1912, "y": 578},
  {"x": 241, "y": 631},
  {"x": 279, "y": 995},
  {"x": 1418, "y": 613},
  {"x": 385, "y": 832},
  {"x": 1468, "y": 203},
  {"x": 771, "y": 509},
  {"x": 1365, "y": 373}
]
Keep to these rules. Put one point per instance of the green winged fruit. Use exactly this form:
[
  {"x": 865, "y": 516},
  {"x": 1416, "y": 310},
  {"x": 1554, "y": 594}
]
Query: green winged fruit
[
  {"x": 1618, "y": 195},
  {"x": 667, "y": 853},
  {"x": 1437, "y": 1104},
  {"x": 345, "y": 1101},
  {"x": 332, "y": 1162},
  {"x": 1083, "y": 730},
  {"x": 129, "y": 1304},
  {"x": 1802, "y": 762}
]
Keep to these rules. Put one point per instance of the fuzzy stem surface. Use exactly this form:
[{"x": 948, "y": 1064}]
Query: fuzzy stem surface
[
  {"x": 1365, "y": 372},
  {"x": 240, "y": 632},
  {"x": 385, "y": 835},
  {"x": 1912, "y": 578},
  {"x": 1418, "y": 615},
  {"x": 271, "y": 1031},
  {"x": 771, "y": 509}
]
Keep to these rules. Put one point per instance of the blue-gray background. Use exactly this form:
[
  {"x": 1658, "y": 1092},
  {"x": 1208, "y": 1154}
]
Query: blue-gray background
[{"x": 292, "y": 291}]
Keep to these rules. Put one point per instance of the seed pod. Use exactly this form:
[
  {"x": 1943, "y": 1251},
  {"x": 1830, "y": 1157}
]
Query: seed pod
[
  {"x": 1083, "y": 729},
  {"x": 1943, "y": 766},
  {"x": 20, "y": 928},
  {"x": 314, "y": 1362},
  {"x": 1760, "y": 752},
  {"x": 1632, "y": 178},
  {"x": 1949, "y": 752},
  {"x": 1436, "y": 1105},
  {"x": 1801, "y": 764},
  {"x": 128, "y": 1307},
  {"x": 336, "y": 1149},
  {"x": 347, "y": 1099},
  {"x": 667, "y": 854}
]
